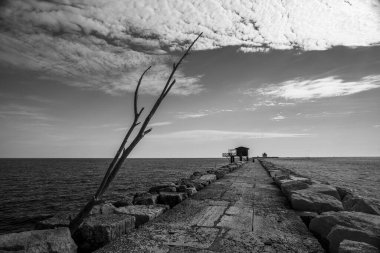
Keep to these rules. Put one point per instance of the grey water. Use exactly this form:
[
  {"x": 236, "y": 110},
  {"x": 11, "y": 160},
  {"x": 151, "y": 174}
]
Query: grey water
[{"x": 34, "y": 189}]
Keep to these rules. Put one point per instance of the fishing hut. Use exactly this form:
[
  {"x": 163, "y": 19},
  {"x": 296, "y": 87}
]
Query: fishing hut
[{"x": 239, "y": 152}]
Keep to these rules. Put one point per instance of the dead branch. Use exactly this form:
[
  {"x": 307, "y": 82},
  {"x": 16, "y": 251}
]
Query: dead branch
[{"x": 123, "y": 152}]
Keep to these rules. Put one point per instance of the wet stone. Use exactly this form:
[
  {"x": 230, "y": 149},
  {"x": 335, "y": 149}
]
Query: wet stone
[
  {"x": 171, "y": 198},
  {"x": 98, "y": 230},
  {"x": 143, "y": 213},
  {"x": 36, "y": 241},
  {"x": 145, "y": 198}
]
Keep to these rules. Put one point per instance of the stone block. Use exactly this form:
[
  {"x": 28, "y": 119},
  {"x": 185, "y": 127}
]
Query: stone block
[
  {"x": 343, "y": 192},
  {"x": 208, "y": 178},
  {"x": 38, "y": 241},
  {"x": 218, "y": 173},
  {"x": 168, "y": 189},
  {"x": 190, "y": 191},
  {"x": 315, "y": 202},
  {"x": 98, "y": 230},
  {"x": 143, "y": 213},
  {"x": 181, "y": 188},
  {"x": 145, "y": 198},
  {"x": 306, "y": 216},
  {"x": 59, "y": 220},
  {"x": 361, "y": 204},
  {"x": 171, "y": 198},
  {"x": 321, "y": 188},
  {"x": 197, "y": 174},
  {"x": 106, "y": 208},
  {"x": 289, "y": 186},
  {"x": 348, "y": 246},
  {"x": 157, "y": 188},
  {"x": 186, "y": 182},
  {"x": 339, "y": 233},
  {"x": 123, "y": 202},
  {"x": 324, "y": 223}
]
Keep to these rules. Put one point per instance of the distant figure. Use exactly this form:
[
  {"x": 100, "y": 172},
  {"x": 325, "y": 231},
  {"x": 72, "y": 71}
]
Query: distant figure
[
  {"x": 265, "y": 155},
  {"x": 253, "y": 159}
]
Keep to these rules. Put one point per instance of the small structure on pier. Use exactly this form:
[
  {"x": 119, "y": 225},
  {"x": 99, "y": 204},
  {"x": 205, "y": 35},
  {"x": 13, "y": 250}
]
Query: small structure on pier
[
  {"x": 265, "y": 155},
  {"x": 242, "y": 151},
  {"x": 239, "y": 151}
]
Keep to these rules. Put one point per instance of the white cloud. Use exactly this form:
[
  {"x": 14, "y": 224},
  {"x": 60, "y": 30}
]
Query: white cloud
[
  {"x": 25, "y": 113},
  {"x": 319, "y": 88},
  {"x": 164, "y": 123},
  {"x": 202, "y": 113},
  {"x": 191, "y": 115},
  {"x": 207, "y": 135},
  {"x": 105, "y": 43},
  {"x": 278, "y": 118},
  {"x": 325, "y": 114}
]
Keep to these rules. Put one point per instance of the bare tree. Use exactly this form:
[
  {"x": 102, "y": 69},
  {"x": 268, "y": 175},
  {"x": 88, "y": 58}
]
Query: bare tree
[{"x": 124, "y": 151}]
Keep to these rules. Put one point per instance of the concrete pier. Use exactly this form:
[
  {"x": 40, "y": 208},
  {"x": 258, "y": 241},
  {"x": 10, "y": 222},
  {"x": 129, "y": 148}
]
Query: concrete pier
[{"x": 242, "y": 212}]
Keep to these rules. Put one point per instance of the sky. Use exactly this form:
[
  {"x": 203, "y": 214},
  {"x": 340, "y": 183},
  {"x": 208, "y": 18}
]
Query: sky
[{"x": 289, "y": 78}]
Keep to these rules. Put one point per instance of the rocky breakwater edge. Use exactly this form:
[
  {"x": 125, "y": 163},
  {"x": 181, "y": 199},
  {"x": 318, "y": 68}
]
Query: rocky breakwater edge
[
  {"x": 109, "y": 221},
  {"x": 341, "y": 220}
]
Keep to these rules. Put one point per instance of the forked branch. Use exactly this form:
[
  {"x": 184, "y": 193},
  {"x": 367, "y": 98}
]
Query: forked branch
[{"x": 123, "y": 152}]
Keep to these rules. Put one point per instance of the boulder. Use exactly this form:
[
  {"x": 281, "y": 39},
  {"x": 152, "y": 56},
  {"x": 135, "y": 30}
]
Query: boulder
[
  {"x": 324, "y": 223},
  {"x": 143, "y": 213},
  {"x": 275, "y": 172},
  {"x": 360, "y": 204},
  {"x": 343, "y": 191},
  {"x": 37, "y": 241},
  {"x": 98, "y": 230},
  {"x": 168, "y": 189},
  {"x": 106, "y": 208},
  {"x": 181, "y": 188},
  {"x": 306, "y": 217},
  {"x": 186, "y": 182},
  {"x": 208, "y": 178},
  {"x": 58, "y": 220},
  {"x": 298, "y": 178},
  {"x": 232, "y": 167},
  {"x": 323, "y": 189},
  {"x": 315, "y": 202},
  {"x": 348, "y": 246},
  {"x": 123, "y": 202},
  {"x": 190, "y": 191},
  {"x": 339, "y": 233},
  {"x": 171, "y": 198},
  {"x": 157, "y": 188},
  {"x": 197, "y": 174},
  {"x": 288, "y": 186},
  {"x": 279, "y": 179},
  {"x": 218, "y": 173},
  {"x": 198, "y": 184},
  {"x": 145, "y": 198}
]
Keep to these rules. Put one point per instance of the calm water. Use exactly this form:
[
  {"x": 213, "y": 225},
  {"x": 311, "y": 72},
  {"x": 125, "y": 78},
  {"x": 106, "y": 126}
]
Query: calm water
[
  {"x": 32, "y": 189},
  {"x": 359, "y": 174}
]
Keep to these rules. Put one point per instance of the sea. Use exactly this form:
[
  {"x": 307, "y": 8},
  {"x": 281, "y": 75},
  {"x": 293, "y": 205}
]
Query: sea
[{"x": 35, "y": 189}]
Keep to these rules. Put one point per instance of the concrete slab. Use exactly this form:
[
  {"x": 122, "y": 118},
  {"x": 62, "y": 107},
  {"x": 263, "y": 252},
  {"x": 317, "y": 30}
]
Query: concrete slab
[{"x": 208, "y": 216}]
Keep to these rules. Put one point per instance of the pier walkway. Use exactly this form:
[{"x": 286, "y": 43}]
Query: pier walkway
[{"x": 242, "y": 212}]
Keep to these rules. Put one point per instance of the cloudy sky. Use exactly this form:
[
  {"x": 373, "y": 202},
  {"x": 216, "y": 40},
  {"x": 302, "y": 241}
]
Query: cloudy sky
[{"x": 290, "y": 78}]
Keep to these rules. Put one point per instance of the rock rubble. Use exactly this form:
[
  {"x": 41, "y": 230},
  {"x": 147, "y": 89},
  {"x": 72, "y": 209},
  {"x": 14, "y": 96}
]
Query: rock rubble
[{"x": 341, "y": 220}]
